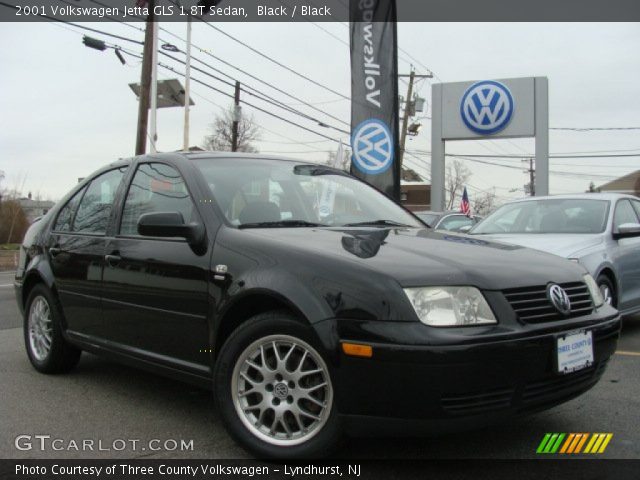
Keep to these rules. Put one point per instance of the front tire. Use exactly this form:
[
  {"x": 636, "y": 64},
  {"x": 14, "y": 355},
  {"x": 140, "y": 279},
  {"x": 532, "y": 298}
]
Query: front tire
[
  {"x": 607, "y": 290},
  {"x": 274, "y": 390},
  {"x": 46, "y": 347}
]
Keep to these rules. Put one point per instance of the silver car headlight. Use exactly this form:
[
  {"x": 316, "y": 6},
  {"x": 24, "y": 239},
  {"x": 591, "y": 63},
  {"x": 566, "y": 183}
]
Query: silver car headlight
[
  {"x": 594, "y": 290},
  {"x": 450, "y": 306}
]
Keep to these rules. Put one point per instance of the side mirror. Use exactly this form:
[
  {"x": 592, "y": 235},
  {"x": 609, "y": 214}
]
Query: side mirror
[
  {"x": 465, "y": 228},
  {"x": 627, "y": 230},
  {"x": 170, "y": 224}
]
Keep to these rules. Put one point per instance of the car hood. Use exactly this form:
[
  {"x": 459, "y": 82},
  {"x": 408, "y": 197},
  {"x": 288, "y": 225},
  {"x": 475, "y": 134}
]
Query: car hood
[
  {"x": 420, "y": 257},
  {"x": 564, "y": 245}
]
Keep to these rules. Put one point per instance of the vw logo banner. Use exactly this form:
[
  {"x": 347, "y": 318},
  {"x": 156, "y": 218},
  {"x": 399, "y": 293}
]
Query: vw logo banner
[{"x": 374, "y": 94}]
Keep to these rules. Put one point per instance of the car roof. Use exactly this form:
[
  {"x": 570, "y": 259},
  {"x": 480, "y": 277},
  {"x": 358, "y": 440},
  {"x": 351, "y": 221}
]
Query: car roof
[
  {"x": 431, "y": 212},
  {"x": 578, "y": 196},
  {"x": 241, "y": 156}
]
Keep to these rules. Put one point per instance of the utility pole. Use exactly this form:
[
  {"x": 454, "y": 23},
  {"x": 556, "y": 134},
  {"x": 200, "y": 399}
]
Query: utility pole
[
  {"x": 408, "y": 111},
  {"x": 236, "y": 119},
  {"x": 145, "y": 84},
  {"x": 154, "y": 88},
  {"x": 187, "y": 87},
  {"x": 532, "y": 177}
]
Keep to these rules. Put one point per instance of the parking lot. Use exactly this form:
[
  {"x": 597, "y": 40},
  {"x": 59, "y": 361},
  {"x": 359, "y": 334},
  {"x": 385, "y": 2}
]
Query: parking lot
[{"x": 104, "y": 401}]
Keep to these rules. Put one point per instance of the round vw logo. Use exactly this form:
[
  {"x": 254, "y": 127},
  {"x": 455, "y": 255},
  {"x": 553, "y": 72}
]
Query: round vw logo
[
  {"x": 486, "y": 107},
  {"x": 559, "y": 299},
  {"x": 281, "y": 390},
  {"x": 372, "y": 146}
]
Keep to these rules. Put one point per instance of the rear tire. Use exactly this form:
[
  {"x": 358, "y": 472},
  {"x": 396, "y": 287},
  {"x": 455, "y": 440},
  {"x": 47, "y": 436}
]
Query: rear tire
[
  {"x": 46, "y": 347},
  {"x": 607, "y": 290},
  {"x": 274, "y": 390}
]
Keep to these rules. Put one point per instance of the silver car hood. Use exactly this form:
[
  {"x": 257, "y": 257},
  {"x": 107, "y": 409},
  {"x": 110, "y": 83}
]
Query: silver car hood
[{"x": 564, "y": 245}]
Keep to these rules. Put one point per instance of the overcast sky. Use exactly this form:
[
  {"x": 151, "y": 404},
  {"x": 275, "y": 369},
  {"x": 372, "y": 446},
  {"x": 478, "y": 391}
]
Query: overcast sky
[{"x": 67, "y": 109}]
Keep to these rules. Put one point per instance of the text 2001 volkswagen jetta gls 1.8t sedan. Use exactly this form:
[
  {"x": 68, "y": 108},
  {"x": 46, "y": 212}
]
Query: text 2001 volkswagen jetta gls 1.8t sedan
[{"x": 308, "y": 301}]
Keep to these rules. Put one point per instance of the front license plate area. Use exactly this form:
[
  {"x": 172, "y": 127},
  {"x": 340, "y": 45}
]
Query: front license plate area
[{"x": 574, "y": 351}]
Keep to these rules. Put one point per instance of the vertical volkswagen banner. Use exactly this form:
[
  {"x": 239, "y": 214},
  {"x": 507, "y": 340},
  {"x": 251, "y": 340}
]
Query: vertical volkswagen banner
[{"x": 374, "y": 94}]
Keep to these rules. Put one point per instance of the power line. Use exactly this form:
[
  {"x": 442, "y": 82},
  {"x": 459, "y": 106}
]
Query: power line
[
  {"x": 514, "y": 156},
  {"x": 260, "y": 96},
  {"x": 269, "y": 58},
  {"x": 555, "y": 172},
  {"x": 134, "y": 55},
  {"x": 593, "y": 129},
  {"x": 226, "y": 63},
  {"x": 244, "y": 72},
  {"x": 245, "y": 102},
  {"x": 217, "y": 70}
]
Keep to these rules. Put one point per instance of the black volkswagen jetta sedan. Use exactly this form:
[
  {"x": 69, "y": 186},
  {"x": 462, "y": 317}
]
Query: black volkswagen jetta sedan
[{"x": 309, "y": 302}]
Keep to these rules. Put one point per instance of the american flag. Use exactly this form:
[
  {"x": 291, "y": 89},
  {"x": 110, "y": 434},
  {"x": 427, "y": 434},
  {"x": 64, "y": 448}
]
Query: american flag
[{"x": 465, "y": 206}]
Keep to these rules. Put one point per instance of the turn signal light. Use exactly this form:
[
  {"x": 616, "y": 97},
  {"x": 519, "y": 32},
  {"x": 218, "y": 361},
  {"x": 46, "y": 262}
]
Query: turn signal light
[{"x": 357, "y": 350}]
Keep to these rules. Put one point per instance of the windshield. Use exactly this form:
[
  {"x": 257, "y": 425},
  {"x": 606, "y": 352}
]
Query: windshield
[
  {"x": 275, "y": 193},
  {"x": 547, "y": 216}
]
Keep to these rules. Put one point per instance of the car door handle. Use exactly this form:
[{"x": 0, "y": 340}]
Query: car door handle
[
  {"x": 112, "y": 260},
  {"x": 53, "y": 251}
]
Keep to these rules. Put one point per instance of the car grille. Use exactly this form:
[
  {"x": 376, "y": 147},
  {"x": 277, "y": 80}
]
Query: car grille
[
  {"x": 532, "y": 305},
  {"x": 539, "y": 392},
  {"x": 478, "y": 402},
  {"x": 527, "y": 397}
]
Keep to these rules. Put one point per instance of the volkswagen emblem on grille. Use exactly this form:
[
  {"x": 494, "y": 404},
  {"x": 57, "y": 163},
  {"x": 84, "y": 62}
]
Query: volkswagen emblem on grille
[{"x": 559, "y": 298}]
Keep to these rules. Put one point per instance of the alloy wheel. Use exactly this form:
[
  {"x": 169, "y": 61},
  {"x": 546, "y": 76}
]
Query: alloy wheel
[
  {"x": 281, "y": 390},
  {"x": 40, "y": 328}
]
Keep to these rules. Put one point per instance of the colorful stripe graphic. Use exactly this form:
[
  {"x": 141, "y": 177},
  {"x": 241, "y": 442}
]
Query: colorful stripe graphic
[{"x": 574, "y": 443}]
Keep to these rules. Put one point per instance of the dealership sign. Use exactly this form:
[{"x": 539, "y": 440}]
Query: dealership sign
[{"x": 488, "y": 110}]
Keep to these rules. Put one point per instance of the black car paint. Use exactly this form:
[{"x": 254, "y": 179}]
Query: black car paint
[{"x": 161, "y": 306}]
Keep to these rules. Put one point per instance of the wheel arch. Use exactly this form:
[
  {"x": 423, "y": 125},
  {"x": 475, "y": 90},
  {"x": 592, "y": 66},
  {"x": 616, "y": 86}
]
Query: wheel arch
[
  {"x": 607, "y": 271},
  {"x": 245, "y": 306},
  {"x": 38, "y": 272}
]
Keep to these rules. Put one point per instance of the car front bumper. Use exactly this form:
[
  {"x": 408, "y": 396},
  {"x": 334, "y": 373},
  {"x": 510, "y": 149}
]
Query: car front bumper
[{"x": 418, "y": 384}]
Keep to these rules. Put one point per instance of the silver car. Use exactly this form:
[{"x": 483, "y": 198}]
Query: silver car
[{"x": 600, "y": 231}]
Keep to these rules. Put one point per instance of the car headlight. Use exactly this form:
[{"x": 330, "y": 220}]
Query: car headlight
[
  {"x": 596, "y": 295},
  {"x": 450, "y": 306}
]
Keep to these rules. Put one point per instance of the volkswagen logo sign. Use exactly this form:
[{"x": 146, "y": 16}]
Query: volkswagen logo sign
[
  {"x": 486, "y": 107},
  {"x": 559, "y": 298},
  {"x": 372, "y": 146}
]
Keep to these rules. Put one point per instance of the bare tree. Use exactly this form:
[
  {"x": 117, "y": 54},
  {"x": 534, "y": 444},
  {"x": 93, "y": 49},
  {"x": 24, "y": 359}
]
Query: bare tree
[
  {"x": 484, "y": 203},
  {"x": 12, "y": 217},
  {"x": 222, "y": 133},
  {"x": 456, "y": 178}
]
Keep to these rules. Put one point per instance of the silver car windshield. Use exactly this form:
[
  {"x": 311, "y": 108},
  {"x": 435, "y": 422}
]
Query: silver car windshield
[
  {"x": 255, "y": 193},
  {"x": 566, "y": 215}
]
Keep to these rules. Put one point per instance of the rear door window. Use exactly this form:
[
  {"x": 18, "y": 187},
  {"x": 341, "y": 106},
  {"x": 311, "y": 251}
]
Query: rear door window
[
  {"x": 65, "y": 217},
  {"x": 95, "y": 207}
]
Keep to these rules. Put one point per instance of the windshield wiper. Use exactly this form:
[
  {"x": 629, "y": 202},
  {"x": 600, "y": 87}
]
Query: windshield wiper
[
  {"x": 377, "y": 223},
  {"x": 281, "y": 224}
]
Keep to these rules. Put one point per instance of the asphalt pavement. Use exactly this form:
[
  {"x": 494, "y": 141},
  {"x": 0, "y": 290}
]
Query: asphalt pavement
[{"x": 126, "y": 413}]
